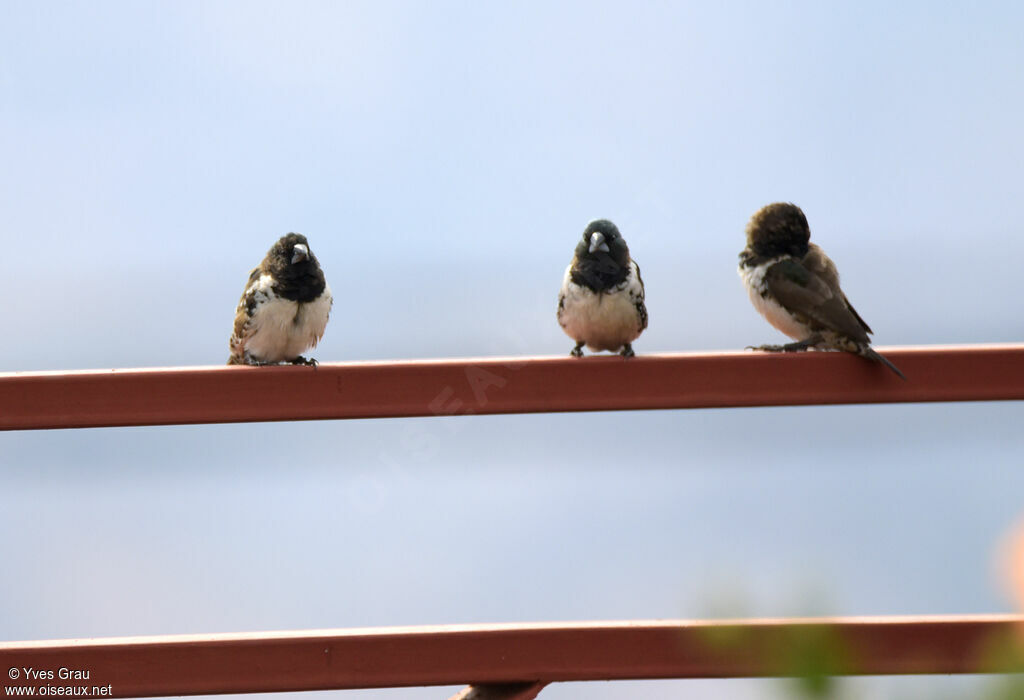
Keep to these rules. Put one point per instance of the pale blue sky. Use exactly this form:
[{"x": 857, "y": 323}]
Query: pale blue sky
[{"x": 443, "y": 158}]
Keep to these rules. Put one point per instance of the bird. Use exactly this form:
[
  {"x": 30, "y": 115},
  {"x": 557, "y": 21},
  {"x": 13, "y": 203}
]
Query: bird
[
  {"x": 601, "y": 302},
  {"x": 795, "y": 286},
  {"x": 284, "y": 309}
]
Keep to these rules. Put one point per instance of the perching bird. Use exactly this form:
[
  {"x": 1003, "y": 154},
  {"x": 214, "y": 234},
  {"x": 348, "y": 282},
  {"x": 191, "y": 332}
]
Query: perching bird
[
  {"x": 795, "y": 286},
  {"x": 601, "y": 303},
  {"x": 284, "y": 309}
]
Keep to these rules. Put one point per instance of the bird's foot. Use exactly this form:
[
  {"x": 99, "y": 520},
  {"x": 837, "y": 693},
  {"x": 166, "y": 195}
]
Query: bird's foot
[
  {"x": 788, "y": 347},
  {"x": 577, "y": 351},
  {"x": 767, "y": 348},
  {"x": 627, "y": 351},
  {"x": 300, "y": 360},
  {"x": 248, "y": 359}
]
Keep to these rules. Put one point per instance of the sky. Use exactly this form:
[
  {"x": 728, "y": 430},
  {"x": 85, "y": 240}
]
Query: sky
[{"x": 443, "y": 159}]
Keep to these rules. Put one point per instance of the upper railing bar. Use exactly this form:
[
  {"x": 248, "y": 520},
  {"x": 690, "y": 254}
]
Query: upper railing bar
[{"x": 163, "y": 396}]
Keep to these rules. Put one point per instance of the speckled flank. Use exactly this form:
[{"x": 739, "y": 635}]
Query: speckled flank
[{"x": 280, "y": 330}]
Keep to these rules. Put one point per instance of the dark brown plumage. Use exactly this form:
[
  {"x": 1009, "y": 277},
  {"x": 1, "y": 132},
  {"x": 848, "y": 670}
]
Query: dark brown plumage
[{"x": 795, "y": 286}]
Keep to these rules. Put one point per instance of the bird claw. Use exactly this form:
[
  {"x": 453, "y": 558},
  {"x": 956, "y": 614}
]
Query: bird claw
[
  {"x": 789, "y": 347},
  {"x": 252, "y": 361},
  {"x": 300, "y": 360},
  {"x": 627, "y": 351}
]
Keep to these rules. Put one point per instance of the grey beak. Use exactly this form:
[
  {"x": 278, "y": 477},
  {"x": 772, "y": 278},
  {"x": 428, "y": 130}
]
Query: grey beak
[
  {"x": 597, "y": 242},
  {"x": 300, "y": 252}
]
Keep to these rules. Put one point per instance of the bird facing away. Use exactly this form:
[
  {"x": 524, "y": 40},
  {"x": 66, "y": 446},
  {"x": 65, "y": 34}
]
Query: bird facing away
[
  {"x": 601, "y": 303},
  {"x": 284, "y": 309},
  {"x": 795, "y": 286}
]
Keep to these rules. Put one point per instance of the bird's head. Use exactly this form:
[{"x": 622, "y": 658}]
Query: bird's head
[
  {"x": 778, "y": 229},
  {"x": 602, "y": 242},
  {"x": 602, "y": 257},
  {"x": 292, "y": 251}
]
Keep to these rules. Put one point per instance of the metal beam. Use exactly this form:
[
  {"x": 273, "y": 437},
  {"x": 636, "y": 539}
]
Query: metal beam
[
  {"x": 520, "y": 654},
  {"x": 104, "y": 398}
]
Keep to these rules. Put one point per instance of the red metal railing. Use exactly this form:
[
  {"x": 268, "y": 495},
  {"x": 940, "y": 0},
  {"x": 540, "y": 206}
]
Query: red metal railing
[
  {"x": 104, "y": 398},
  {"x": 522, "y": 658},
  {"x": 512, "y": 662}
]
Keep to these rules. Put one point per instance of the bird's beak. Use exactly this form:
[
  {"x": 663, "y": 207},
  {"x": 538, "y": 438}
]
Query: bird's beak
[
  {"x": 597, "y": 242},
  {"x": 300, "y": 252}
]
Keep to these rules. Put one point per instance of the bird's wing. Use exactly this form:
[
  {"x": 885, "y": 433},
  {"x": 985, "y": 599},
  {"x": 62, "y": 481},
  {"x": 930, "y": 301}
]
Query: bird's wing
[
  {"x": 636, "y": 293},
  {"x": 243, "y": 326},
  {"x": 564, "y": 291},
  {"x": 820, "y": 264},
  {"x": 863, "y": 323},
  {"x": 809, "y": 296}
]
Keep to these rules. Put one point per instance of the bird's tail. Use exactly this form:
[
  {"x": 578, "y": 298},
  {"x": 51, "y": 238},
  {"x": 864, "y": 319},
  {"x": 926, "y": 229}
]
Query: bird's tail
[{"x": 867, "y": 352}]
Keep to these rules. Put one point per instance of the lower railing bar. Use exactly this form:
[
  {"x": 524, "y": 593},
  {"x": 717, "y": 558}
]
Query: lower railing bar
[{"x": 482, "y": 655}]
